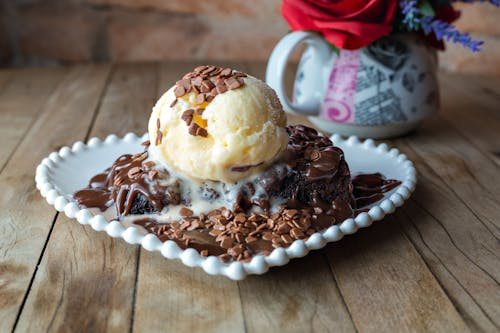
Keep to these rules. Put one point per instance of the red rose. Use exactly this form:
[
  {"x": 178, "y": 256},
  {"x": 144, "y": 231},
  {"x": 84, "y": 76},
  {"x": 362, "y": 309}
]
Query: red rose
[{"x": 347, "y": 24}]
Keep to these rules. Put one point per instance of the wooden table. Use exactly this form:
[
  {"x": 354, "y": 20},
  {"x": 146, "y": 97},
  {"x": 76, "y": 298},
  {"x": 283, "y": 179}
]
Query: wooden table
[{"x": 434, "y": 265}]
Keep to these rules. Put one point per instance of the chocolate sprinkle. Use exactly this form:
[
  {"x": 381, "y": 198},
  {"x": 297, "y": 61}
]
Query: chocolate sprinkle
[
  {"x": 159, "y": 134},
  {"x": 200, "y": 131},
  {"x": 232, "y": 83},
  {"x": 193, "y": 128},
  {"x": 200, "y": 99},
  {"x": 187, "y": 116},
  {"x": 205, "y": 78},
  {"x": 206, "y": 82},
  {"x": 179, "y": 91}
]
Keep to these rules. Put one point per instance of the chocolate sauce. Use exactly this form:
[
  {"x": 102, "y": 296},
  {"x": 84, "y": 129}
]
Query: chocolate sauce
[
  {"x": 94, "y": 198},
  {"x": 318, "y": 176},
  {"x": 244, "y": 168},
  {"x": 123, "y": 184},
  {"x": 370, "y": 188}
]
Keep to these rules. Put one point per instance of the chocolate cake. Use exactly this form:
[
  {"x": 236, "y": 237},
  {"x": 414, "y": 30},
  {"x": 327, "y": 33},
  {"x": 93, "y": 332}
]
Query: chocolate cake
[
  {"x": 313, "y": 173},
  {"x": 313, "y": 183}
]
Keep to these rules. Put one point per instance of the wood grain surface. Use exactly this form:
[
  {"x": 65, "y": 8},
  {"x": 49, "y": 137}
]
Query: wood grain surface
[{"x": 433, "y": 266}]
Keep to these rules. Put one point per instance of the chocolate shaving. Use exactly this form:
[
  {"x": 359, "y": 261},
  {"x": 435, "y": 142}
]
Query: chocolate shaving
[
  {"x": 200, "y": 68},
  {"x": 226, "y": 72},
  {"x": 159, "y": 138},
  {"x": 186, "y": 84},
  {"x": 211, "y": 81},
  {"x": 134, "y": 172},
  {"x": 200, "y": 99},
  {"x": 208, "y": 70},
  {"x": 152, "y": 174},
  {"x": 243, "y": 168},
  {"x": 187, "y": 116},
  {"x": 200, "y": 131},
  {"x": 192, "y": 129},
  {"x": 197, "y": 81},
  {"x": 221, "y": 88},
  {"x": 185, "y": 211},
  {"x": 232, "y": 83},
  {"x": 206, "y": 86},
  {"x": 237, "y": 236},
  {"x": 159, "y": 135},
  {"x": 179, "y": 91}
]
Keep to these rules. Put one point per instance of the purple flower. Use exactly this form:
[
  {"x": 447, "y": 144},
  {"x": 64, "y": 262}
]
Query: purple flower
[
  {"x": 410, "y": 13},
  {"x": 493, "y": 2},
  {"x": 418, "y": 15}
]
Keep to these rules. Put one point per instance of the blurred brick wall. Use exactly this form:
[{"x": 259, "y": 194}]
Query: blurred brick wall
[
  {"x": 134, "y": 30},
  {"x": 39, "y": 32}
]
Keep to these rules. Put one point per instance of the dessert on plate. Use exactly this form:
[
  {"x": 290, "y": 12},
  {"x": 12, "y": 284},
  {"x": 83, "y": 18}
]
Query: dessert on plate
[{"x": 224, "y": 174}]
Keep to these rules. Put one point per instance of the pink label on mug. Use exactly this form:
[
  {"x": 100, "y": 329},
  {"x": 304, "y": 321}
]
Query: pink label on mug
[{"x": 338, "y": 103}]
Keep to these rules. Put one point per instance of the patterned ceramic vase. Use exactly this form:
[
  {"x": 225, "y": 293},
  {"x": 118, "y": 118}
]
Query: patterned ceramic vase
[{"x": 383, "y": 90}]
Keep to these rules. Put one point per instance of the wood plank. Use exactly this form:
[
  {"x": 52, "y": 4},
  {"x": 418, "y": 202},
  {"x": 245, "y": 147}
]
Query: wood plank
[
  {"x": 5, "y": 76},
  {"x": 174, "y": 298},
  {"x": 128, "y": 101},
  {"x": 473, "y": 293},
  {"x": 459, "y": 246},
  {"x": 26, "y": 217},
  {"x": 85, "y": 283},
  {"x": 300, "y": 297},
  {"x": 82, "y": 268},
  {"x": 468, "y": 173},
  {"x": 483, "y": 88},
  {"x": 386, "y": 285},
  {"x": 192, "y": 300},
  {"x": 472, "y": 109},
  {"x": 23, "y": 92}
]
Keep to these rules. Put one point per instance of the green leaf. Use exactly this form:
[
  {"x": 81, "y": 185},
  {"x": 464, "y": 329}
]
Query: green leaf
[
  {"x": 425, "y": 8},
  {"x": 335, "y": 49}
]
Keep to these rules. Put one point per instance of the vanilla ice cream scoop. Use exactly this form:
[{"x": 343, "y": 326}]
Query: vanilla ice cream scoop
[{"x": 217, "y": 124}]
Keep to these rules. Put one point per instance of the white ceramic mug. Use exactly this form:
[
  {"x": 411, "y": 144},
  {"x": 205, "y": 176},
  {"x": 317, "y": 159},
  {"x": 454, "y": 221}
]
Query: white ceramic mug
[{"x": 382, "y": 90}]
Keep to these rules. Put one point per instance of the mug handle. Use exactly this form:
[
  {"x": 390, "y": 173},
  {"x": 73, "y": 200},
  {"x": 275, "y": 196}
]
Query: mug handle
[{"x": 320, "y": 55}]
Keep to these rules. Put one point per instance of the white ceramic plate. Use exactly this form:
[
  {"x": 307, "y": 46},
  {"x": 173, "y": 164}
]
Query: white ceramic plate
[{"x": 62, "y": 173}]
